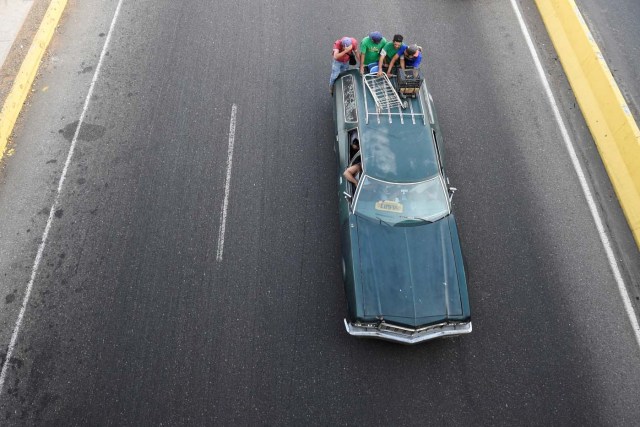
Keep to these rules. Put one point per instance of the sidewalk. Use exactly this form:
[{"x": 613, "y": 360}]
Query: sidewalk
[
  {"x": 20, "y": 21},
  {"x": 12, "y": 16}
]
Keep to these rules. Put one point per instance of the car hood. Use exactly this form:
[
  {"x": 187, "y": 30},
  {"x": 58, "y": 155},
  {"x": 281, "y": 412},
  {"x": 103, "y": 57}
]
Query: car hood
[{"x": 408, "y": 274}]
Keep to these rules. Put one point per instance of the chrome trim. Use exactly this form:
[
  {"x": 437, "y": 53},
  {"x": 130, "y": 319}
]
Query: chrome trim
[
  {"x": 389, "y": 332},
  {"x": 343, "y": 79},
  {"x": 400, "y": 112},
  {"x": 439, "y": 175},
  {"x": 424, "y": 120},
  {"x": 366, "y": 105},
  {"x": 429, "y": 101}
]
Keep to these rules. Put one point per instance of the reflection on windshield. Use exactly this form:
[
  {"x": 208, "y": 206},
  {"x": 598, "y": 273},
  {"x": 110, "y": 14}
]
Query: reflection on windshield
[{"x": 395, "y": 203}]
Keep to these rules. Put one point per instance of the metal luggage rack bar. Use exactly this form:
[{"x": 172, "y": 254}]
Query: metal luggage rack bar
[
  {"x": 382, "y": 91},
  {"x": 387, "y": 102}
]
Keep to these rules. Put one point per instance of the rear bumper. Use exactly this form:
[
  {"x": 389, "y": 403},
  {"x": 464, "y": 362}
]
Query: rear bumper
[{"x": 404, "y": 335}]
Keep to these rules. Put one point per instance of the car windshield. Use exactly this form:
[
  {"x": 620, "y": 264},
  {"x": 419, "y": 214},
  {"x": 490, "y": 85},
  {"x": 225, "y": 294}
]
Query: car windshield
[{"x": 407, "y": 203}]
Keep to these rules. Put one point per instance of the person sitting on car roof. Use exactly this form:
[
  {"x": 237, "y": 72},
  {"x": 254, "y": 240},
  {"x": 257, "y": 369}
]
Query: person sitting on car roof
[
  {"x": 412, "y": 57},
  {"x": 370, "y": 48},
  {"x": 390, "y": 55},
  {"x": 343, "y": 50}
]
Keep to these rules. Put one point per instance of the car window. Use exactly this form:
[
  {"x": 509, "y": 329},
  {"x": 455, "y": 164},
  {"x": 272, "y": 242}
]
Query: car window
[{"x": 402, "y": 203}]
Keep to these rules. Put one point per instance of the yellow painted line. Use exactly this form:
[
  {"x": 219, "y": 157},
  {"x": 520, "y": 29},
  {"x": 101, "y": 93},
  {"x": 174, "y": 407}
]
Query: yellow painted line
[
  {"x": 27, "y": 73},
  {"x": 607, "y": 114}
]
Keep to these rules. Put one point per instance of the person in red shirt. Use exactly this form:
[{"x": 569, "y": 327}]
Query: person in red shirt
[{"x": 344, "y": 49}]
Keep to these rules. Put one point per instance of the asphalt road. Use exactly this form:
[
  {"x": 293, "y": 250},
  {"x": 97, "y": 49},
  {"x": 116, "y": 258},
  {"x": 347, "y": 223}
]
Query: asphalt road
[{"x": 132, "y": 319}]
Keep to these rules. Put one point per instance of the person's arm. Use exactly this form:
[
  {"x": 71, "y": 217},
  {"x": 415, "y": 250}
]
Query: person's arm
[
  {"x": 361, "y": 63},
  {"x": 356, "y": 49},
  {"x": 351, "y": 172},
  {"x": 393, "y": 61},
  {"x": 402, "y": 62},
  {"x": 383, "y": 54},
  {"x": 339, "y": 54},
  {"x": 418, "y": 60}
]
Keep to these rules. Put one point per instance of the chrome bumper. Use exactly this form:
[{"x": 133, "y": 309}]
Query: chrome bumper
[{"x": 404, "y": 335}]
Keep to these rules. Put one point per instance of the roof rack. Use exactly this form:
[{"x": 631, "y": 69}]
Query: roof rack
[
  {"x": 382, "y": 91},
  {"x": 387, "y": 102}
]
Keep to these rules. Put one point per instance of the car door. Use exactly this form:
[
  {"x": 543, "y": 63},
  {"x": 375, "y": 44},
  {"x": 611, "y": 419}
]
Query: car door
[{"x": 347, "y": 191}]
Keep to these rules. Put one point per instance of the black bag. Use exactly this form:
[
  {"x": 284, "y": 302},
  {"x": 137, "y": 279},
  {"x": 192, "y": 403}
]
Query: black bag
[{"x": 352, "y": 59}]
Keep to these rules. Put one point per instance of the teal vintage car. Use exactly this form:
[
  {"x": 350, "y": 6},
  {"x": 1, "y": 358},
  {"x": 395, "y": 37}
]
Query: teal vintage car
[{"x": 402, "y": 264}]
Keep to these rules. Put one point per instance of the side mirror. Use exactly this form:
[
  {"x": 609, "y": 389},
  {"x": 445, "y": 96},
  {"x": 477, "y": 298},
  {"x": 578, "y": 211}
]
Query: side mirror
[
  {"x": 452, "y": 190},
  {"x": 349, "y": 198}
]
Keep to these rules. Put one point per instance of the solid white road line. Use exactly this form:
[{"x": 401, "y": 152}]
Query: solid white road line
[
  {"x": 227, "y": 184},
  {"x": 43, "y": 241},
  {"x": 622, "y": 289}
]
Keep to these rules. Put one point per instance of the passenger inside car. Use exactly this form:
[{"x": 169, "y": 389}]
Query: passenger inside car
[
  {"x": 352, "y": 173},
  {"x": 354, "y": 143}
]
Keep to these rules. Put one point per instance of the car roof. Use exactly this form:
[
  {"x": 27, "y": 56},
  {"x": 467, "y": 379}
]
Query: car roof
[{"x": 394, "y": 151}]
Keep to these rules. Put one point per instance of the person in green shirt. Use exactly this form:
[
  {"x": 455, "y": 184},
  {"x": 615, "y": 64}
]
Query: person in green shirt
[
  {"x": 390, "y": 54},
  {"x": 370, "y": 48}
]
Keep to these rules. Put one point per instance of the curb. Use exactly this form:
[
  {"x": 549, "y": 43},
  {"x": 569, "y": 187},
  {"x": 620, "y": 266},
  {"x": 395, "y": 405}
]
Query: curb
[
  {"x": 612, "y": 126},
  {"x": 27, "y": 73}
]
